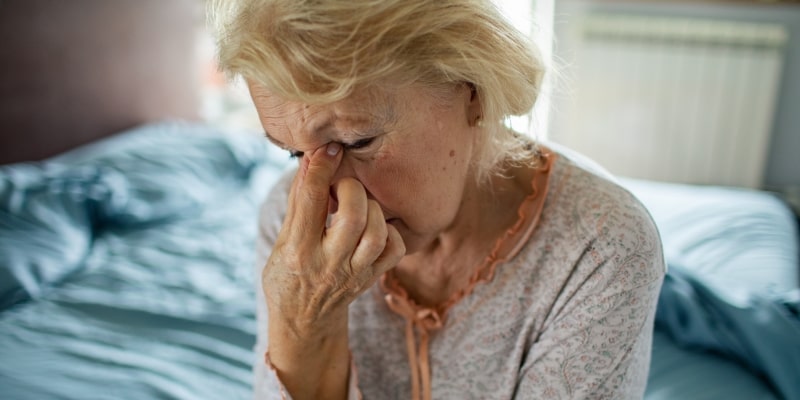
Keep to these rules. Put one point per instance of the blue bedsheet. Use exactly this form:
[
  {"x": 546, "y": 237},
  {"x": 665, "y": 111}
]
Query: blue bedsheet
[
  {"x": 127, "y": 267},
  {"x": 126, "y": 273},
  {"x": 727, "y": 324}
]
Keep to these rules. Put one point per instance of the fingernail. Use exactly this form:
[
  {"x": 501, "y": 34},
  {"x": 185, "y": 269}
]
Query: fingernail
[{"x": 333, "y": 148}]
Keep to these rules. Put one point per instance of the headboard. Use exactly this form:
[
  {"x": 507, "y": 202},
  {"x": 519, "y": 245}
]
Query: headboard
[{"x": 74, "y": 71}]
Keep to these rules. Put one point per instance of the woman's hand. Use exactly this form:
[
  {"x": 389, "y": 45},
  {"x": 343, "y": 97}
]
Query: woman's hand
[{"x": 315, "y": 271}]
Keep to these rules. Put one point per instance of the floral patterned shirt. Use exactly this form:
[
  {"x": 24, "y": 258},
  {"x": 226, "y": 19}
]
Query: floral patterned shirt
[{"x": 562, "y": 309}]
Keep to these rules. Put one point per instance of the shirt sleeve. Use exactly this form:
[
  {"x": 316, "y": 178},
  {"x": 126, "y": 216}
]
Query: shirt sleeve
[
  {"x": 596, "y": 344},
  {"x": 267, "y": 385}
]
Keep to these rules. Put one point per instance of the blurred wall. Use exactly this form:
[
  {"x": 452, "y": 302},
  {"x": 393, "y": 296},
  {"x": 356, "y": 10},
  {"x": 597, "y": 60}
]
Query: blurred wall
[
  {"x": 74, "y": 71},
  {"x": 783, "y": 165}
]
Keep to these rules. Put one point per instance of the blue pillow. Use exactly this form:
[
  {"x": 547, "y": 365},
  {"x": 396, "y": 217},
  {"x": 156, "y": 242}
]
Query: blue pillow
[{"x": 737, "y": 241}]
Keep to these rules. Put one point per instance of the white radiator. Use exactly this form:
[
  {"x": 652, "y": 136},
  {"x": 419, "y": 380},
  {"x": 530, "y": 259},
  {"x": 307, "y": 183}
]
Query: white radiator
[{"x": 680, "y": 100}]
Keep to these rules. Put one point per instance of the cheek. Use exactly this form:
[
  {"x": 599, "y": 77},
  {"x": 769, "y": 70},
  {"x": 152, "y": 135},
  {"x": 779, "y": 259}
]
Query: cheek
[
  {"x": 420, "y": 183},
  {"x": 415, "y": 190},
  {"x": 392, "y": 181},
  {"x": 386, "y": 179}
]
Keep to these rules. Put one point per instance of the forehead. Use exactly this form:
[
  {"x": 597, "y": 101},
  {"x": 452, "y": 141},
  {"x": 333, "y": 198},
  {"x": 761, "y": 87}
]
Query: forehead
[
  {"x": 299, "y": 126},
  {"x": 363, "y": 107}
]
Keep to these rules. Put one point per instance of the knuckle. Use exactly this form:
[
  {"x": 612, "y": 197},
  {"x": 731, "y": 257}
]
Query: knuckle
[
  {"x": 315, "y": 195},
  {"x": 345, "y": 280},
  {"x": 372, "y": 246},
  {"x": 354, "y": 221},
  {"x": 331, "y": 280},
  {"x": 397, "y": 248},
  {"x": 323, "y": 165}
]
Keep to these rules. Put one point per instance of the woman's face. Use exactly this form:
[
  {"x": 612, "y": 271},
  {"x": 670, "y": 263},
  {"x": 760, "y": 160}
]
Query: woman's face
[{"x": 411, "y": 151}]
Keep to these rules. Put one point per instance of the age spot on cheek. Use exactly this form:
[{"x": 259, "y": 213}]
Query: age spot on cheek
[{"x": 452, "y": 153}]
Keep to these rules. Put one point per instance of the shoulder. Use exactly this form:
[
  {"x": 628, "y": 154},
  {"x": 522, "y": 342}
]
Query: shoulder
[
  {"x": 587, "y": 197},
  {"x": 597, "y": 224}
]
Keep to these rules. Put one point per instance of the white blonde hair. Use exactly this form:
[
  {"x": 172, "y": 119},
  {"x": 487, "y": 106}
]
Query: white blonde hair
[{"x": 321, "y": 51}]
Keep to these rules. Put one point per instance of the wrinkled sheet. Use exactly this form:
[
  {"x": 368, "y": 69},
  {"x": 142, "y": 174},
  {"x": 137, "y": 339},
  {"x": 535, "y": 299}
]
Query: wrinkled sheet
[
  {"x": 154, "y": 297},
  {"x": 761, "y": 333}
]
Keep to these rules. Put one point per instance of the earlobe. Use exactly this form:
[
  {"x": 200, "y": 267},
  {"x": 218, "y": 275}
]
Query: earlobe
[{"x": 475, "y": 119}]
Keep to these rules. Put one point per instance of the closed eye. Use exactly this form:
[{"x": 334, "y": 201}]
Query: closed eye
[{"x": 359, "y": 144}]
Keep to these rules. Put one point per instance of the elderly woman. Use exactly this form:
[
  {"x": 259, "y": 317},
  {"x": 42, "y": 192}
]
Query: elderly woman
[{"x": 421, "y": 249}]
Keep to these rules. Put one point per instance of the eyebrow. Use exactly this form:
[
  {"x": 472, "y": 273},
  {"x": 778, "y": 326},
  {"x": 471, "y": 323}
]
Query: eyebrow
[
  {"x": 282, "y": 145},
  {"x": 372, "y": 130}
]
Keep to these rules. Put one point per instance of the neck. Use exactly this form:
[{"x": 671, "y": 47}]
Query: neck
[{"x": 433, "y": 274}]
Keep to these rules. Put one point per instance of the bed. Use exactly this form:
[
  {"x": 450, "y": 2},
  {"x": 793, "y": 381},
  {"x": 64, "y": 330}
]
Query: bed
[
  {"x": 728, "y": 320},
  {"x": 126, "y": 272},
  {"x": 126, "y": 241}
]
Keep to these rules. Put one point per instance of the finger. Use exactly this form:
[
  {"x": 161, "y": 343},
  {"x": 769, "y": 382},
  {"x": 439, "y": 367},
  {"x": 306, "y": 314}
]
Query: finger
[
  {"x": 287, "y": 218},
  {"x": 373, "y": 240},
  {"x": 394, "y": 250},
  {"x": 294, "y": 185},
  {"x": 308, "y": 209},
  {"x": 351, "y": 217}
]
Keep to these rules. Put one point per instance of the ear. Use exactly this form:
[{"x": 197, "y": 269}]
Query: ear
[{"x": 474, "y": 106}]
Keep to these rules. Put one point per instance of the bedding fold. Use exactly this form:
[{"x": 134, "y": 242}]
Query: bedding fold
[
  {"x": 156, "y": 301},
  {"x": 760, "y": 332}
]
